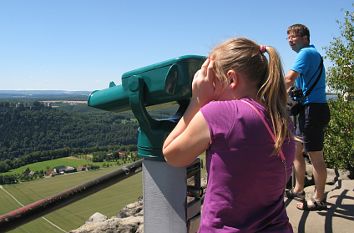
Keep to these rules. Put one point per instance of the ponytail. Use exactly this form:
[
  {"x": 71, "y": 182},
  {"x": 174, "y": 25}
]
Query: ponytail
[{"x": 274, "y": 97}]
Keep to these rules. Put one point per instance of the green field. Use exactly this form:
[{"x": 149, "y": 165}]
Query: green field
[
  {"x": 67, "y": 161},
  {"x": 108, "y": 201}
]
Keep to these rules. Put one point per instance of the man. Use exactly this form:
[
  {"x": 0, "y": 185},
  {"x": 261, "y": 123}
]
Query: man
[{"x": 312, "y": 119}]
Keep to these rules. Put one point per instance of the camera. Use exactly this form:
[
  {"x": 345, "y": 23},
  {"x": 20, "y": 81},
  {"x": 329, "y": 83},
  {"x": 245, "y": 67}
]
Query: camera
[{"x": 296, "y": 93}]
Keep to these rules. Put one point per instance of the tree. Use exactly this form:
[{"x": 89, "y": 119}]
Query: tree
[
  {"x": 4, "y": 167},
  {"x": 341, "y": 53},
  {"x": 339, "y": 148}
]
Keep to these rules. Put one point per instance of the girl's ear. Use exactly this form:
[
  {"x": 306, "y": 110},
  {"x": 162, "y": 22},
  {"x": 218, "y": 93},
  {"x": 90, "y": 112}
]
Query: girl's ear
[{"x": 233, "y": 78}]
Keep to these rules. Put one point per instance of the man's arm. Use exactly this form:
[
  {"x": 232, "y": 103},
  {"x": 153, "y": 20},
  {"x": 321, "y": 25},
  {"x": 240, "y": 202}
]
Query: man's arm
[{"x": 290, "y": 78}]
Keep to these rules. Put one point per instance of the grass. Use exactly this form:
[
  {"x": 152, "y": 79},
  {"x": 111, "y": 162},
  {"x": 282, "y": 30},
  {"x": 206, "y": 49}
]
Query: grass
[
  {"x": 67, "y": 161},
  {"x": 107, "y": 201}
]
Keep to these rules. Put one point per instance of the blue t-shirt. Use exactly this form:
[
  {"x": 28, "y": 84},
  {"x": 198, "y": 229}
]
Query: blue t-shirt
[{"x": 307, "y": 65}]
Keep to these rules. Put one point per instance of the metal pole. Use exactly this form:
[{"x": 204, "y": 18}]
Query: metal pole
[
  {"x": 164, "y": 194},
  {"x": 166, "y": 205}
]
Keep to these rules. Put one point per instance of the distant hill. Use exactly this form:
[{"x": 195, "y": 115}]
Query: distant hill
[
  {"x": 44, "y": 94},
  {"x": 32, "y": 132}
]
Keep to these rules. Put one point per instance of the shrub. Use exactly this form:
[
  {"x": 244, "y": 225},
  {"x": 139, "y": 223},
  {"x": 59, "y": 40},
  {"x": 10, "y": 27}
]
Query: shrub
[
  {"x": 339, "y": 138},
  {"x": 339, "y": 151}
]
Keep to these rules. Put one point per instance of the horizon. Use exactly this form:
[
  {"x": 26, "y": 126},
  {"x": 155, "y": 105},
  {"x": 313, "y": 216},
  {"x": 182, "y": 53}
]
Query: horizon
[
  {"x": 84, "y": 45},
  {"x": 43, "y": 90}
]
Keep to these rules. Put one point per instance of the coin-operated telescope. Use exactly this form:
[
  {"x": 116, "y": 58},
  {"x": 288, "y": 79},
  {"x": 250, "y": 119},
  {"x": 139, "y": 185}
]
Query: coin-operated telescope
[
  {"x": 172, "y": 196},
  {"x": 159, "y": 83}
]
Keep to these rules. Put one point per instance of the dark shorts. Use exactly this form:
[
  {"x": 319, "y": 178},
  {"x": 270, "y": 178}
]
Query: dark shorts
[{"x": 312, "y": 121}]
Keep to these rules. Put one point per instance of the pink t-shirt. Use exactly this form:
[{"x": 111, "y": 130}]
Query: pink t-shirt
[{"x": 246, "y": 180}]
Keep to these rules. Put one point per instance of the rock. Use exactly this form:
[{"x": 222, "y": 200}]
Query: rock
[
  {"x": 130, "y": 224},
  {"x": 97, "y": 217},
  {"x": 133, "y": 209},
  {"x": 129, "y": 220},
  {"x": 345, "y": 175}
]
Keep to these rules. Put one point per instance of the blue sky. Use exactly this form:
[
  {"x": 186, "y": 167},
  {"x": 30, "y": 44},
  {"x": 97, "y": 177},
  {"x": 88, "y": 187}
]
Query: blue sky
[{"x": 85, "y": 44}]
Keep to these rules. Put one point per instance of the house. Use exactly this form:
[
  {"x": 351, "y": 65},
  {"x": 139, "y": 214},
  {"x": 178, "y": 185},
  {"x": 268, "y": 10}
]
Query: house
[{"x": 64, "y": 169}]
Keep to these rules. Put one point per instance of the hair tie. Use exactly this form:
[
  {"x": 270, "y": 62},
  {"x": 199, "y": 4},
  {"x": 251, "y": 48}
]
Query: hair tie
[{"x": 262, "y": 48}]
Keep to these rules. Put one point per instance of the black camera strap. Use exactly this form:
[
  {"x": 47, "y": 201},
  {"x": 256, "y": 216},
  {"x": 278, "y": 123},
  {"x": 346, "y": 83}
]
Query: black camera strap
[{"x": 317, "y": 79}]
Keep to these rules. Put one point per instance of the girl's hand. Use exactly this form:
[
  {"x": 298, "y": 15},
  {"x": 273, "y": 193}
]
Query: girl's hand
[{"x": 204, "y": 84}]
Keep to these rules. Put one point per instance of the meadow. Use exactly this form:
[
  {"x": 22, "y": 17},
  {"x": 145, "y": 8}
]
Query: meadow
[
  {"x": 73, "y": 161},
  {"x": 108, "y": 201}
]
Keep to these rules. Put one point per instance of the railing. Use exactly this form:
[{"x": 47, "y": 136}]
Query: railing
[{"x": 27, "y": 213}]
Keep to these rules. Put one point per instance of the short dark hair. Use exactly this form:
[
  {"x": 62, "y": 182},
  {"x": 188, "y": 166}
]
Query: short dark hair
[{"x": 299, "y": 29}]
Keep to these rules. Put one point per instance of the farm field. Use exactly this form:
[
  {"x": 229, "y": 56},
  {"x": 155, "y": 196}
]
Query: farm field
[
  {"x": 108, "y": 201},
  {"x": 67, "y": 161}
]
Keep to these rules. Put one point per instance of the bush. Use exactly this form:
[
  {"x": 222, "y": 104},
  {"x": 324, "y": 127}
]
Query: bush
[
  {"x": 339, "y": 151},
  {"x": 339, "y": 138},
  {"x": 8, "y": 179}
]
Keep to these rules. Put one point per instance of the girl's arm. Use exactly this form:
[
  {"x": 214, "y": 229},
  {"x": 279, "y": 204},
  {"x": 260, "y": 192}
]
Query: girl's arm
[{"x": 183, "y": 146}]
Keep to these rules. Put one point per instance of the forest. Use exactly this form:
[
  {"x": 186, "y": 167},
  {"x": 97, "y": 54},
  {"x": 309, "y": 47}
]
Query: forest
[{"x": 32, "y": 131}]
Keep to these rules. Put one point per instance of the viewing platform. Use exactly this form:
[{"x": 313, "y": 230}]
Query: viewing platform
[{"x": 338, "y": 218}]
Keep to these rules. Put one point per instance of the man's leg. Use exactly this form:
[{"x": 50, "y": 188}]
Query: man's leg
[
  {"x": 319, "y": 173},
  {"x": 297, "y": 192},
  {"x": 299, "y": 168},
  {"x": 316, "y": 119}
]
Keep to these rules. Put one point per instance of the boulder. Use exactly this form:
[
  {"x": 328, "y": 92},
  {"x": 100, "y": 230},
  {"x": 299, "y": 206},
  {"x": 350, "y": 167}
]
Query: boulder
[{"x": 129, "y": 220}]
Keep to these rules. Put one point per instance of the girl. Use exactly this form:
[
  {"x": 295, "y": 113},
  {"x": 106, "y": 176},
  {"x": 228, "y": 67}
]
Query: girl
[{"x": 238, "y": 114}]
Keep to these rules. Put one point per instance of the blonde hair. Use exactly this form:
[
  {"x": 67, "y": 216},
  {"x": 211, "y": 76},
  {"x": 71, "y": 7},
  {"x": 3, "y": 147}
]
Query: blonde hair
[{"x": 245, "y": 56}]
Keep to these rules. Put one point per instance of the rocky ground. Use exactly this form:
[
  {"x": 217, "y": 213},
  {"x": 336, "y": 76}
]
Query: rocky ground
[{"x": 129, "y": 220}]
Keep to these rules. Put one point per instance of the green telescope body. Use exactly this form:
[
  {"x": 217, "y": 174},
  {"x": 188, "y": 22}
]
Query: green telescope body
[{"x": 167, "y": 81}]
